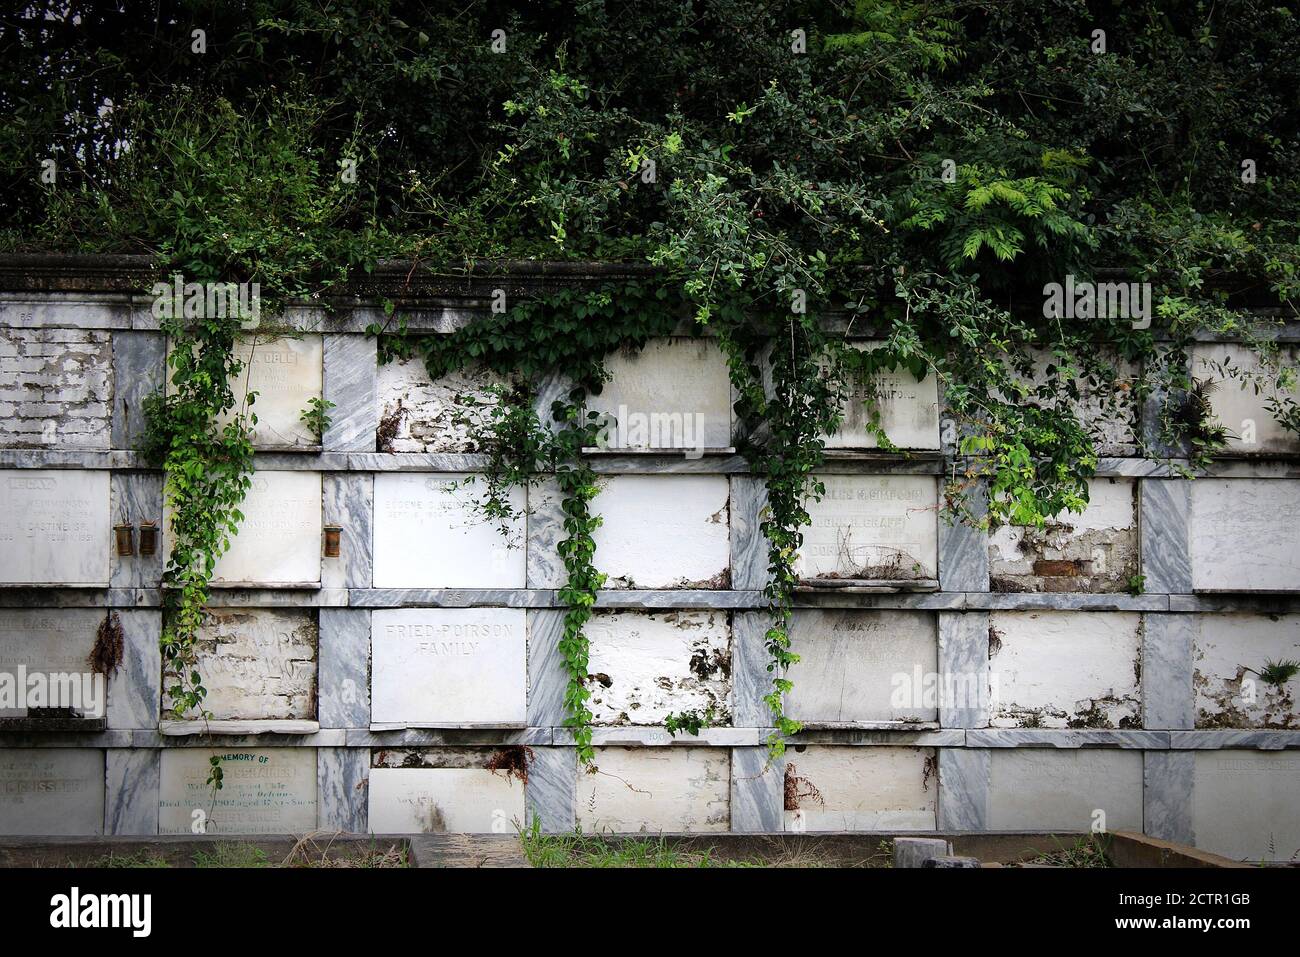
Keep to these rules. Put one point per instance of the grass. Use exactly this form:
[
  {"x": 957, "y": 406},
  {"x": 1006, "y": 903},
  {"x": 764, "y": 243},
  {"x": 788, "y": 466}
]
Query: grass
[
  {"x": 1087, "y": 852},
  {"x": 311, "y": 851}
]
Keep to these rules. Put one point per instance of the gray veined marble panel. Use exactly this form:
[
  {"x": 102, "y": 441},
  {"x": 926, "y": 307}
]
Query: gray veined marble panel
[
  {"x": 964, "y": 667},
  {"x": 545, "y": 531},
  {"x": 748, "y": 544},
  {"x": 351, "y": 373},
  {"x": 139, "y": 369},
  {"x": 1244, "y": 738},
  {"x": 547, "y": 675},
  {"x": 964, "y": 551},
  {"x": 137, "y": 497},
  {"x": 551, "y": 388},
  {"x": 963, "y": 789},
  {"x": 749, "y": 675},
  {"x": 757, "y": 791},
  {"x": 135, "y": 689},
  {"x": 449, "y": 737},
  {"x": 131, "y": 797},
  {"x": 1165, "y": 545},
  {"x": 342, "y": 775},
  {"x": 899, "y": 736},
  {"x": 343, "y": 692},
  {"x": 551, "y": 789},
  {"x": 1065, "y": 738},
  {"x": 451, "y": 598},
  {"x": 1168, "y": 783},
  {"x": 348, "y": 501},
  {"x": 1167, "y": 698}
]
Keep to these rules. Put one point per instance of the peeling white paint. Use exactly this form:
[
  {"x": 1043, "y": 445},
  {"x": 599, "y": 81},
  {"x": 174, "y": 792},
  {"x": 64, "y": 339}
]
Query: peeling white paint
[
  {"x": 1229, "y": 651},
  {"x": 450, "y": 415}
]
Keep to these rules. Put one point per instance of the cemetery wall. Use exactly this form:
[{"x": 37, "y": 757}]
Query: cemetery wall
[{"x": 949, "y": 678}]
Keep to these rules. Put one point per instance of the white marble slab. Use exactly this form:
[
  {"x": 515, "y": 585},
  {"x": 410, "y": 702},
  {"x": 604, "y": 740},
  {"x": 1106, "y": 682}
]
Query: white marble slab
[
  {"x": 430, "y": 534},
  {"x": 1060, "y": 669},
  {"x": 673, "y": 394},
  {"x": 54, "y": 527},
  {"x": 450, "y": 415},
  {"x": 663, "y": 531},
  {"x": 859, "y": 667},
  {"x": 860, "y": 789},
  {"x": 1064, "y": 789},
  {"x": 1245, "y": 534},
  {"x": 449, "y": 667},
  {"x": 50, "y": 643},
  {"x": 645, "y": 666},
  {"x": 258, "y": 664},
  {"x": 439, "y": 800},
  {"x": 1235, "y": 402},
  {"x": 873, "y": 527},
  {"x": 279, "y": 540},
  {"x": 54, "y": 791},
  {"x": 1229, "y": 651},
  {"x": 908, "y": 410},
  {"x": 264, "y": 791},
  {"x": 1245, "y": 806},
  {"x": 653, "y": 790}
]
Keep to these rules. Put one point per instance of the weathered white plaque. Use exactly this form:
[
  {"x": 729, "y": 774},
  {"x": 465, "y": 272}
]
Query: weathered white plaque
[
  {"x": 663, "y": 531},
  {"x": 264, "y": 791},
  {"x": 873, "y": 527},
  {"x": 258, "y": 664},
  {"x": 449, "y": 667},
  {"x": 1240, "y": 402},
  {"x": 54, "y": 527},
  {"x": 430, "y": 534},
  {"x": 1229, "y": 652},
  {"x": 647, "y": 665},
  {"x": 1245, "y": 534},
  {"x": 420, "y": 415},
  {"x": 860, "y": 667},
  {"x": 49, "y": 648},
  {"x": 673, "y": 394},
  {"x": 279, "y": 540},
  {"x": 285, "y": 373},
  {"x": 1244, "y": 804},
  {"x": 1059, "y": 669},
  {"x": 1095, "y": 550},
  {"x": 651, "y": 790},
  {"x": 1064, "y": 789},
  {"x": 907, "y": 410},
  {"x": 860, "y": 789},
  {"x": 51, "y": 791},
  {"x": 438, "y": 800}
]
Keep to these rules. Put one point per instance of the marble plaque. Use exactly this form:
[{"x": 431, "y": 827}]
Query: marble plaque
[
  {"x": 1228, "y": 653},
  {"x": 449, "y": 667},
  {"x": 1109, "y": 414},
  {"x": 52, "y": 791},
  {"x": 860, "y": 789},
  {"x": 438, "y": 800},
  {"x": 1235, "y": 402},
  {"x": 1245, "y": 534},
  {"x": 286, "y": 374},
  {"x": 1095, "y": 550},
  {"x": 56, "y": 388},
  {"x": 1244, "y": 804},
  {"x": 654, "y": 790},
  {"x": 673, "y": 394},
  {"x": 1064, "y": 789},
  {"x": 429, "y": 533},
  {"x": 419, "y": 415},
  {"x": 258, "y": 664},
  {"x": 644, "y": 666},
  {"x": 1065, "y": 669},
  {"x": 861, "y": 667},
  {"x": 54, "y": 645},
  {"x": 872, "y": 527},
  {"x": 663, "y": 531},
  {"x": 279, "y": 540},
  {"x": 54, "y": 527},
  {"x": 908, "y": 410},
  {"x": 264, "y": 791}
]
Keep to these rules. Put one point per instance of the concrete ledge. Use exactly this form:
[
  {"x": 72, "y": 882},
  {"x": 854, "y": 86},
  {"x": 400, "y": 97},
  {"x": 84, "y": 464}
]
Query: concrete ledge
[
  {"x": 1128, "y": 849},
  {"x": 467, "y": 850}
]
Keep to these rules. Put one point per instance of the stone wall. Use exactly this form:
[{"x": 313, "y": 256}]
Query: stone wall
[{"x": 950, "y": 679}]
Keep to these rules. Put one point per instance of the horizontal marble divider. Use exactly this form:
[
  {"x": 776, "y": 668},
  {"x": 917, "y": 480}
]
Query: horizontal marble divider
[
  {"x": 1258, "y": 602},
  {"x": 652, "y": 737},
  {"x": 450, "y": 737},
  {"x": 325, "y": 738},
  {"x": 1065, "y": 601},
  {"x": 1258, "y": 740},
  {"x": 1067, "y": 738},
  {"x": 942, "y": 738}
]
